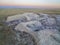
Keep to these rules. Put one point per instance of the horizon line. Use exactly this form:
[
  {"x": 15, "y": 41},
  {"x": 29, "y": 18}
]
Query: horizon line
[{"x": 5, "y": 6}]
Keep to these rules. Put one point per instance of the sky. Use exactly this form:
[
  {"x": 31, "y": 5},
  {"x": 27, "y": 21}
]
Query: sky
[{"x": 33, "y": 3}]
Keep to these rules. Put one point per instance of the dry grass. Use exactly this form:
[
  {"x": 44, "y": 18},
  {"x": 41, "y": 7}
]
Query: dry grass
[{"x": 19, "y": 11}]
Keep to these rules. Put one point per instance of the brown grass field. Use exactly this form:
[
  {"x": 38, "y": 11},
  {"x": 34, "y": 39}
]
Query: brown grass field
[{"x": 18, "y": 11}]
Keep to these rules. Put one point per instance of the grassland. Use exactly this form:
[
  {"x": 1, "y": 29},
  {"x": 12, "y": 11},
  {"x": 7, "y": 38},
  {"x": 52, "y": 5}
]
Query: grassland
[{"x": 18, "y": 11}]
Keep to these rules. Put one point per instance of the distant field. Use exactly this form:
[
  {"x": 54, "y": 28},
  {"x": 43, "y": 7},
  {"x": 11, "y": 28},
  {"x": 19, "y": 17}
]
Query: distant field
[
  {"x": 7, "y": 12},
  {"x": 18, "y": 11}
]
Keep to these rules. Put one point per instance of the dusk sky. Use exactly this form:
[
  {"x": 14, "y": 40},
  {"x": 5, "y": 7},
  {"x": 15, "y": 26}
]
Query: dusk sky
[{"x": 36, "y": 3}]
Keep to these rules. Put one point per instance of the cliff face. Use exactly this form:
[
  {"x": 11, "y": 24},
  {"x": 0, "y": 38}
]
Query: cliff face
[{"x": 10, "y": 37}]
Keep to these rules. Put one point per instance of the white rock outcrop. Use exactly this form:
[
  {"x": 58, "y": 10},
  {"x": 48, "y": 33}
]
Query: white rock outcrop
[
  {"x": 31, "y": 16},
  {"x": 43, "y": 27},
  {"x": 25, "y": 17},
  {"x": 29, "y": 26},
  {"x": 48, "y": 37}
]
